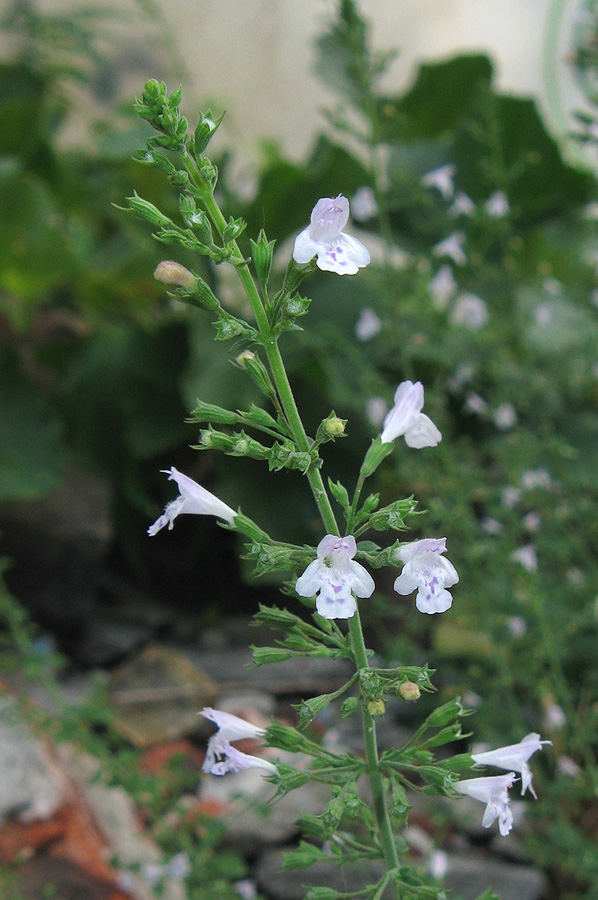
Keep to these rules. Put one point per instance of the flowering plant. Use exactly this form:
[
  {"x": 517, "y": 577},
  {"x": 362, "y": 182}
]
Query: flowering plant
[{"x": 331, "y": 578}]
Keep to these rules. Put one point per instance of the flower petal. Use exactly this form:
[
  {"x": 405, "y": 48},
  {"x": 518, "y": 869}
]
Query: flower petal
[{"x": 423, "y": 433}]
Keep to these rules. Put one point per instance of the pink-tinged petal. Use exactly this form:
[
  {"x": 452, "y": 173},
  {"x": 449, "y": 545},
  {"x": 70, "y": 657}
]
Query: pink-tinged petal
[
  {"x": 328, "y": 218},
  {"x": 423, "y": 433}
]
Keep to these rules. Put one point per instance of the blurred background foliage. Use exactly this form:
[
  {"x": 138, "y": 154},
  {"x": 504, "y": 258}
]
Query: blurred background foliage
[{"x": 100, "y": 369}]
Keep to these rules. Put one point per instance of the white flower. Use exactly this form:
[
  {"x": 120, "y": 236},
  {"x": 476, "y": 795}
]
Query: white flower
[
  {"x": 452, "y": 247},
  {"x": 221, "y": 757},
  {"x": 514, "y": 757},
  {"x": 470, "y": 312},
  {"x": 505, "y": 416},
  {"x": 493, "y": 791},
  {"x": 462, "y": 206},
  {"x": 324, "y": 237},
  {"x": 375, "y": 410},
  {"x": 427, "y": 572},
  {"x": 527, "y": 557},
  {"x": 442, "y": 180},
  {"x": 543, "y": 313},
  {"x": 368, "y": 325},
  {"x": 406, "y": 418},
  {"x": 363, "y": 204},
  {"x": 443, "y": 286},
  {"x": 193, "y": 499},
  {"x": 438, "y": 864},
  {"x": 335, "y": 577},
  {"x": 497, "y": 205}
]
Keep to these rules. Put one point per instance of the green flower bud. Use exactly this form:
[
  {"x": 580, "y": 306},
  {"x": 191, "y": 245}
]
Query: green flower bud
[
  {"x": 208, "y": 412},
  {"x": 447, "y": 713},
  {"x": 262, "y": 251},
  {"x": 349, "y": 706},
  {"x": 376, "y": 707},
  {"x": 309, "y": 709},
  {"x": 263, "y": 656},
  {"x": 257, "y": 370},
  {"x": 206, "y": 128},
  {"x": 169, "y": 272},
  {"x": 146, "y": 210}
]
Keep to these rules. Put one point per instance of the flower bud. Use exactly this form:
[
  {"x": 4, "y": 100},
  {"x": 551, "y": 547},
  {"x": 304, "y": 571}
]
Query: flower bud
[
  {"x": 257, "y": 370},
  {"x": 169, "y": 272},
  {"x": 205, "y": 129},
  {"x": 409, "y": 691},
  {"x": 262, "y": 251},
  {"x": 146, "y": 210},
  {"x": 262, "y": 656},
  {"x": 376, "y": 707}
]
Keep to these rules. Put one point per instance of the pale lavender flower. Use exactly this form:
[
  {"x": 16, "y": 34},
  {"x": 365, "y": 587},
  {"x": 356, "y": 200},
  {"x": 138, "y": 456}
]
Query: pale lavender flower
[
  {"x": 536, "y": 478},
  {"x": 510, "y": 497},
  {"x": 543, "y": 314},
  {"x": 491, "y": 526},
  {"x": 493, "y": 791},
  {"x": 452, "y": 246},
  {"x": 517, "y": 626},
  {"x": 221, "y": 757},
  {"x": 375, "y": 410},
  {"x": 363, "y": 204},
  {"x": 497, "y": 205},
  {"x": 335, "y": 577},
  {"x": 438, "y": 864},
  {"x": 324, "y": 237},
  {"x": 568, "y": 766},
  {"x": 462, "y": 206},
  {"x": 368, "y": 325},
  {"x": 470, "y": 312},
  {"x": 514, "y": 757},
  {"x": 194, "y": 499},
  {"x": 442, "y": 180},
  {"x": 575, "y": 576},
  {"x": 505, "y": 416},
  {"x": 443, "y": 286},
  {"x": 532, "y": 521},
  {"x": 246, "y": 889},
  {"x": 474, "y": 404},
  {"x": 406, "y": 419},
  {"x": 428, "y": 572},
  {"x": 526, "y": 556},
  {"x": 462, "y": 376},
  {"x": 554, "y": 717}
]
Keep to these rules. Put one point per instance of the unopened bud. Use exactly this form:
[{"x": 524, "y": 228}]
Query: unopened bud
[
  {"x": 335, "y": 426},
  {"x": 257, "y": 370},
  {"x": 169, "y": 272},
  {"x": 376, "y": 707},
  {"x": 243, "y": 357},
  {"x": 409, "y": 691}
]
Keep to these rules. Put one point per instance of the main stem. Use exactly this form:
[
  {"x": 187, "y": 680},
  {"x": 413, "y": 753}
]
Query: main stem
[{"x": 289, "y": 406}]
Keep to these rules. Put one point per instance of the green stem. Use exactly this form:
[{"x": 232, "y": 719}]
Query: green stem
[{"x": 293, "y": 417}]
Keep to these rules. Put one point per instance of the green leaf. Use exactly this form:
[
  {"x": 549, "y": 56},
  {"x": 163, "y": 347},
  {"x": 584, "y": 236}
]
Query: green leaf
[
  {"x": 30, "y": 436},
  {"x": 439, "y": 98}
]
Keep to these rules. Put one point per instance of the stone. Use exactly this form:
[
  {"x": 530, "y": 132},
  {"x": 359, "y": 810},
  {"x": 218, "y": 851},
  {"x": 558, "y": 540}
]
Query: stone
[
  {"x": 290, "y": 884},
  {"x": 253, "y": 821},
  {"x": 298, "y": 676},
  {"x": 30, "y": 786},
  {"x": 157, "y": 696},
  {"x": 46, "y": 876},
  {"x": 469, "y": 876}
]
